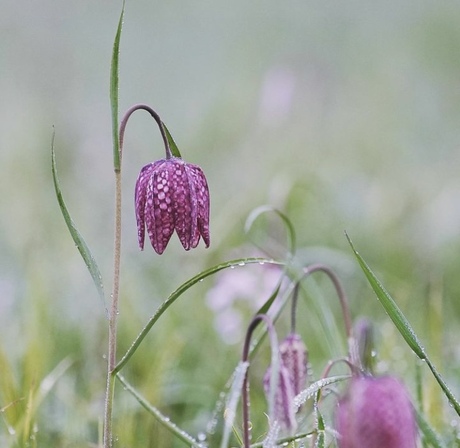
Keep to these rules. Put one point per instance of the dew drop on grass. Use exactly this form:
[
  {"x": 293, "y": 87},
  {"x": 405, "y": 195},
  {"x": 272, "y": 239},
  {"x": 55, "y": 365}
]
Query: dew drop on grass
[{"x": 241, "y": 263}]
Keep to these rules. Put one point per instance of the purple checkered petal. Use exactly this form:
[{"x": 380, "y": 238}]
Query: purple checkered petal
[
  {"x": 172, "y": 195},
  {"x": 200, "y": 198}
]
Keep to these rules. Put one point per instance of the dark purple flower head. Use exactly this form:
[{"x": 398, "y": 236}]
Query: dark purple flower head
[
  {"x": 376, "y": 413},
  {"x": 172, "y": 195}
]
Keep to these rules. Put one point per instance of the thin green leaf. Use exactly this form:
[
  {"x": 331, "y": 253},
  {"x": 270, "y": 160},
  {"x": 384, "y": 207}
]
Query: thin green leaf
[
  {"x": 179, "y": 291},
  {"x": 286, "y": 221},
  {"x": 390, "y": 307},
  {"x": 403, "y": 326},
  {"x": 162, "y": 419},
  {"x": 114, "y": 92},
  {"x": 429, "y": 434},
  {"x": 266, "y": 306},
  {"x": 321, "y": 429},
  {"x": 76, "y": 236},
  {"x": 172, "y": 144}
]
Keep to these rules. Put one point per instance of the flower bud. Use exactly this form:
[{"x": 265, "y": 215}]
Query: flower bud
[
  {"x": 284, "y": 398},
  {"x": 294, "y": 357},
  {"x": 292, "y": 379},
  {"x": 376, "y": 413}
]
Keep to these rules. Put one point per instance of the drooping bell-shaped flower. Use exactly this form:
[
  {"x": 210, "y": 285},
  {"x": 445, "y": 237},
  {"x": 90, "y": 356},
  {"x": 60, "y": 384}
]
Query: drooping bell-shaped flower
[
  {"x": 172, "y": 195},
  {"x": 292, "y": 379},
  {"x": 284, "y": 409},
  {"x": 376, "y": 413},
  {"x": 294, "y": 356}
]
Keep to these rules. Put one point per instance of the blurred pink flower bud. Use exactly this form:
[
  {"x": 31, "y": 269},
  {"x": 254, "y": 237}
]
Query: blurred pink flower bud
[
  {"x": 293, "y": 354},
  {"x": 376, "y": 413},
  {"x": 172, "y": 195},
  {"x": 292, "y": 379},
  {"x": 284, "y": 398}
]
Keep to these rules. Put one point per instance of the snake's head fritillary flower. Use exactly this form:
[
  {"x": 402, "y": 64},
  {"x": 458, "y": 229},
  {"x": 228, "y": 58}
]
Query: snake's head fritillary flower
[
  {"x": 294, "y": 356},
  {"x": 172, "y": 195},
  {"x": 284, "y": 398},
  {"x": 292, "y": 379},
  {"x": 376, "y": 413}
]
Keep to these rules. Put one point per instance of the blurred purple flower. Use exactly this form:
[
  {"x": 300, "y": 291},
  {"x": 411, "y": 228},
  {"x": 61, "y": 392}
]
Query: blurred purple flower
[
  {"x": 292, "y": 379},
  {"x": 284, "y": 398},
  {"x": 172, "y": 195},
  {"x": 238, "y": 292},
  {"x": 293, "y": 354},
  {"x": 376, "y": 413}
]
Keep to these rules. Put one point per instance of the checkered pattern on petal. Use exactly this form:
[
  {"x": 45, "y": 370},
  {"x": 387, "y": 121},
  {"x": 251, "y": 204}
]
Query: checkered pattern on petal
[{"x": 172, "y": 195}]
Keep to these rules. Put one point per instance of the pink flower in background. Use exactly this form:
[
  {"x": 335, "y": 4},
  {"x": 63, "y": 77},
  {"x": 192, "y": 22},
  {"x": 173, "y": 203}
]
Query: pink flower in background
[
  {"x": 172, "y": 195},
  {"x": 236, "y": 293}
]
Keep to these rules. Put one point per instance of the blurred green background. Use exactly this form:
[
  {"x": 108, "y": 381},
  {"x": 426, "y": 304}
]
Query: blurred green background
[{"x": 344, "y": 115}]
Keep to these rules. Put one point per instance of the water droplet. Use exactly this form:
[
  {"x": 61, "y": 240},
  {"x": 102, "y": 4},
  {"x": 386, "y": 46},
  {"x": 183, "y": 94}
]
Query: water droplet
[
  {"x": 241, "y": 263},
  {"x": 261, "y": 263}
]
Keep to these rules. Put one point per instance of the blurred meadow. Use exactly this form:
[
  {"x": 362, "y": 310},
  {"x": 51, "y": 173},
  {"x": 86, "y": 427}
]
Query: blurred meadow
[{"x": 343, "y": 115}]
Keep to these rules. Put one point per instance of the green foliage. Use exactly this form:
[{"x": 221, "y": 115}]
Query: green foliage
[{"x": 367, "y": 143}]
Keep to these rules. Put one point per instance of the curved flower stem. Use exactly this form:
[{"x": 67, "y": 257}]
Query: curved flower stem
[
  {"x": 157, "y": 118},
  {"x": 342, "y": 298},
  {"x": 274, "y": 346}
]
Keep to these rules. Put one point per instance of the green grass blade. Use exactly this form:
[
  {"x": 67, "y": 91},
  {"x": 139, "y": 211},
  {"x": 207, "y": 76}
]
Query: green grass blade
[
  {"x": 390, "y": 307},
  {"x": 430, "y": 436},
  {"x": 165, "y": 421},
  {"x": 76, "y": 236},
  {"x": 172, "y": 144},
  {"x": 114, "y": 91},
  {"x": 179, "y": 291},
  {"x": 321, "y": 428},
  {"x": 403, "y": 325}
]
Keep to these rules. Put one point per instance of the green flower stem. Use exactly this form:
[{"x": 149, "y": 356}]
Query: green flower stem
[
  {"x": 113, "y": 313},
  {"x": 112, "y": 348}
]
